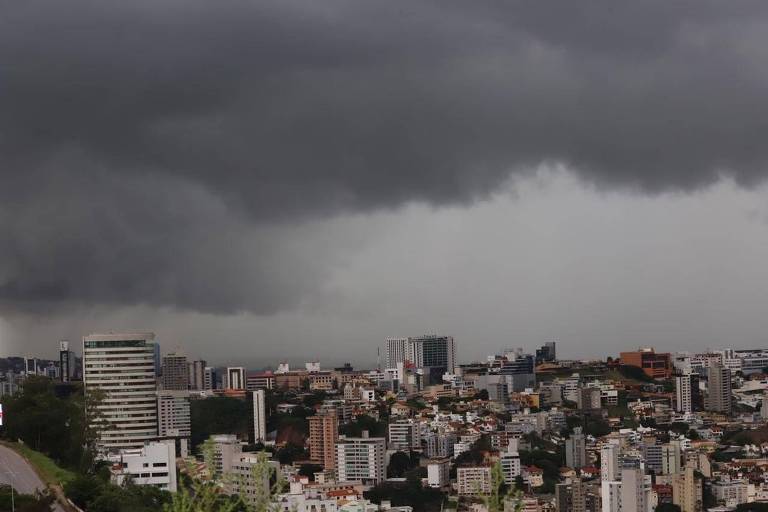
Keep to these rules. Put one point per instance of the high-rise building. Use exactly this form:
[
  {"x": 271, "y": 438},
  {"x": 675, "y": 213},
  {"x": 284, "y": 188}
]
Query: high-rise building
[
  {"x": 635, "y": 490},
  {"x": 687, "y": 491},
  {"x": 174, "y": 419},
  {"x": 175, "y": 372},
  {"x": 259, "y": 416},
  {"x": 671, "y": 458},
  {"x": 197, "y": 375},
  {"x": 323, "y": 434},
  {"x": 31, "y": 366},
  {"x": 360, "y": 459},
  {"x": 67, "y": 362},
  {"x": 209, "y": 378},
  {"x": 570, "y": 496},
  {"x": 719, "y": 389},
  {"x": 652, "y": 455},
  {"x": 575, "y": 450},
  {"x": 510, "y": 463},
  {"x": 404, "y": 435},
  {"x": 683, "y": 400},
  {"x": 235, "y": 378},
  {"x": 436, "y": 353},
  {"x": 396, "y": 351},
  {"x": 121, "y": 368},
  {"x": 547, "y": 353}
]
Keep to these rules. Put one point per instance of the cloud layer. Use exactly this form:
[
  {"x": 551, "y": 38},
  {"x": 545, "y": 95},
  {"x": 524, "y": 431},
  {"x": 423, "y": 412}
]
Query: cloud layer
[{"x": 171, "y": 152}]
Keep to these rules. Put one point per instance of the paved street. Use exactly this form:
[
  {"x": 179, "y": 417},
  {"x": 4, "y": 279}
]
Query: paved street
[{"x": 15, "y": 470}]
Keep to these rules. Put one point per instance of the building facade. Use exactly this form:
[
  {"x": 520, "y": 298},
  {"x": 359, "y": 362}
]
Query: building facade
[{"x": 121, "y": 369}]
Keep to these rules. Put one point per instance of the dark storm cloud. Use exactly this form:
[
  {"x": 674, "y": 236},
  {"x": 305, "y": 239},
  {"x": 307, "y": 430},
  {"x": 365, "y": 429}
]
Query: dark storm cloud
[{"x": 141, "y": 143}]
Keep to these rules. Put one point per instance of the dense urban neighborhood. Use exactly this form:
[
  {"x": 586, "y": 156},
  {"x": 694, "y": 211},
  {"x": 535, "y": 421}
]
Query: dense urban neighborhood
[{"x": 124, "y": 426}]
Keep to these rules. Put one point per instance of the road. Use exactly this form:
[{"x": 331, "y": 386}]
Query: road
[{"x": 19, "y": 473}]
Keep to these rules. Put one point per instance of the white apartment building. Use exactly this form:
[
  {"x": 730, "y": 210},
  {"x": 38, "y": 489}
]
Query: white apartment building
[
  {"x": 249, "y": 483},
  {"x": 361, "y": 458},
  {"x": 123, "y": 367},
  {"x": 154, "y": 464},
  {"x": 438, "y": 473},
  {"x": 259, "y": 416},
  {"x": 730, "y": 492},
  {"x": 683, "y": 396},
  {"x": 473, "y": 481},
  {"x": 225, "y": 448},
  {"x": 510, "y": 463}
]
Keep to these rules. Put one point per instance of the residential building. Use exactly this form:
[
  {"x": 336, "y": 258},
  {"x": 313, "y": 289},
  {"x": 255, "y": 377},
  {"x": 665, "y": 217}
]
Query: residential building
[
  {"x": 122, "y": 368},
  {"x": 403, "y": 435},
  {"x": 197, "y": 375},
  {"x": 687, "y": 491},
  {"x": 173, "y": 414},
  {"x": 360, "y": 459},
  {"x": 670, "y": 458},
  {"x": 575, "y": 450},
  {"x": 251, "y": 477},
  {"x": 473, "y": 480},
  {"x": 259, "y": 416},
  {"x": 719, "y": 397},
  {"x": 510, "y": 462},
  {"x": 153, "y": 464},
  {"x": 225, "y": 448},
  {"x": 570, "y": 496},
  {"x": 323, "y": 434},
  {"x": 687, "y": 396},
  {"x": 438, "y": 472}
]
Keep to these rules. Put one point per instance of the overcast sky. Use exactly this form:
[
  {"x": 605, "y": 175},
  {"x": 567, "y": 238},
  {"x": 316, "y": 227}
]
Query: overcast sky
[{"x": 297, "y": 179}]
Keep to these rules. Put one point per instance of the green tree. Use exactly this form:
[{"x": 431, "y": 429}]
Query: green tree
[
  {"x": 216, "y": 415},
  {"x": 399, "y": 463},
  {"x": 24, "y": 502},
  {"x": 500, "y": 494}
]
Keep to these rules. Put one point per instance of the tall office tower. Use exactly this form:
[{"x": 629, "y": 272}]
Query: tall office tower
[
  {"x": 360, "y": 459},
  {"x": 235, "y": 378},
  {"x": 67, "y": 362},
  {"x": 323, "y": 434},
  {"x": 175, "y": 373},
  {"x": 197, "y": 375},
  {"x": 31, "y": 366},
  {"x": 396, "y": 351},
  {"x": 404, "y": 435},
  {"x": 259, "y": 416},
  {"x": 430, "y": 351},
  {"x": 719, "y": 389},
  {"x": 209, "y": 378},
  {"x": 670, "y": 458},
  {"x": 546, "y": 354},
  {"x": 433, "y": 351},
  {"x": 687, "y": 491},
  {"x": 609, "y": 462},
  {"x": 121, "y": 366},
  {"x": 575, "y": 450}
]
